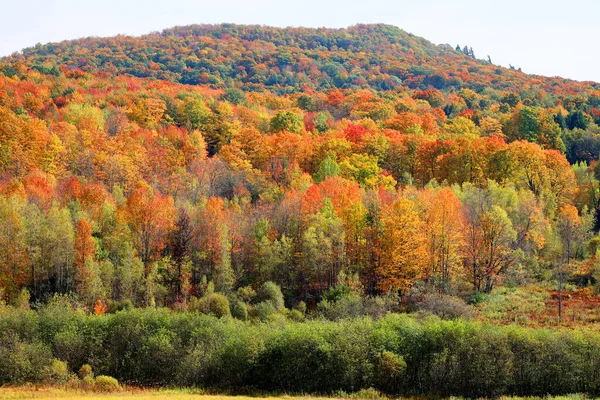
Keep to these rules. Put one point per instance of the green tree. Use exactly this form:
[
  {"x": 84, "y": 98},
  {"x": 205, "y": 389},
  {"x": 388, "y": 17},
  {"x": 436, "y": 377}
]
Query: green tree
[
  {"x": 535, "y": 125},
  {"x": 234, "y": 96},
  {"x": 305, "y": 102},
  {"x": 578, "y": 119},
  {"x": 286, "y": 121},
  {"x": 320, "y": 121},
  {"x": 60, "y": 242},
  {"x": 323, "y": 248},
  {"x": 327, "y": 169}
]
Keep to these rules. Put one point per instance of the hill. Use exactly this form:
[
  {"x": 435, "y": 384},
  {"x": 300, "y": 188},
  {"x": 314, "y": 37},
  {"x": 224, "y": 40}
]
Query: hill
[
  {"x": 334, "y": 165},
  {"x": 285, "y": 60}
]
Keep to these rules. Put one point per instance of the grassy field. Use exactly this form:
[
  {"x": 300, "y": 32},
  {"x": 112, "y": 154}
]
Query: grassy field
[
  {"x": 184, "y": 394},
  {"x": 22, "y": 393}
]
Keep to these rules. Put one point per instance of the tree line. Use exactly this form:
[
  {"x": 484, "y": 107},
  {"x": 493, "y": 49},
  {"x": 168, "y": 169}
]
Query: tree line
[{"x": 397, "y": 355}]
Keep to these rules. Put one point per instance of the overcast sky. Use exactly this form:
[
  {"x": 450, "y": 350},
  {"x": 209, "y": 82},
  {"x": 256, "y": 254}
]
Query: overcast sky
[{"x": 542, "y": 37}]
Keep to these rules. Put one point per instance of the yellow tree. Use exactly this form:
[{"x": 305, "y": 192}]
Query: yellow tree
[
  {"x": 490, "y": 126},
  {"x": 13, "y": 251},
  {"x": 546, "y": 173},
  {"x": 444, "y": 225},
  {"x": 404, "y": 253}
]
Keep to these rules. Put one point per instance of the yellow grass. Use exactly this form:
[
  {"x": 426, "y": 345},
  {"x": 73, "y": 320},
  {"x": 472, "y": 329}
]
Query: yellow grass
[
  {"x": 22, "y": 393},
  {"x": 30, "y": 392}
]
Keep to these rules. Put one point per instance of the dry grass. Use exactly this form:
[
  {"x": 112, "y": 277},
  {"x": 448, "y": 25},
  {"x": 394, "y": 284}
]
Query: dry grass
[
  {"x": 186, "y": 394},
  {"x": 22, "y": 393}
]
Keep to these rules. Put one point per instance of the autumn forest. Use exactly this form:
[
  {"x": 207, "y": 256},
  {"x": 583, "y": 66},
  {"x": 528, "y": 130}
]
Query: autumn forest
[{"x": 296, "y": 184}]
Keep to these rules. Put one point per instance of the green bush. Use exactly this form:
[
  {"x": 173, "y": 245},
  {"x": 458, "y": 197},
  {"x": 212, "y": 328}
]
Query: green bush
[
  {"x": 218, "y": 305},
  {"x": 195, "y": 304},
  {"x": 239, "y": 310},
  {"x": 350, "y": 306},
  {"x": 106, "y": 384},
  {"x": 390, "y": 372},
  {"x": 300, "y": 306},
  {"x": 221, "y": 354},
  {"x": 157, "y": 357},
  {"x": 246, "y": 294},
  {"x": 298, "y": 360},
  {"x": 295, "y": 315},
  {"x": 265, "y": 310},
  {"x": 270, "y": 292},
  {"x": 213, "y": 303},
  {"x": 70, "y": 345},
  {"x": 397, "y": 354},
  {"x": 57, "y": 373},
  {"x": 114, "y": 306},
  {"x": 22, "y": 362}
]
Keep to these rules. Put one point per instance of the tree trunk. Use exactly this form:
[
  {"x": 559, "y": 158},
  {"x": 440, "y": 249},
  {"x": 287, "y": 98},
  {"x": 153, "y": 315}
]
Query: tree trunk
[{"x": 560, "y": 294}]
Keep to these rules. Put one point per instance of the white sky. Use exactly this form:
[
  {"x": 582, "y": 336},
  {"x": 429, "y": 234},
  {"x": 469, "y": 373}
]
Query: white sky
[{"x": 551, "y": 37}]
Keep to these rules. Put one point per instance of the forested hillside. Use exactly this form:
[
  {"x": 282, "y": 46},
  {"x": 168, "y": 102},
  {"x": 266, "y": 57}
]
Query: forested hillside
[
  {"x": 338, "y": 164},
  {"x": 378, "y": 57}
]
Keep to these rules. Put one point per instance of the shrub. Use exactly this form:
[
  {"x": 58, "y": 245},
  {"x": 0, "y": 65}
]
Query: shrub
[
  {"x": 347, "y": 307},
  {"x": 218, "y": 305},
  {"x": 353, "y": 306},
  {"x": 296, "y": 359},
  {"x": 521, "y": 304},
  {"x": 265, "y": 310},
  {"x": 295, "y": 315},
  {"x": 246, "y": 294},
  {"x": 85, "y": 370},
  {"x": 224, "y": 351},
  {"x": 57, "y": 373},
  {"x": 158, "y": 356},
  {"x": 105, "y": 383},
  {"x": 300, "y": 306},
  {"x": 114, "y": 306},
  {"x": 369, "y": 394},
  {"x": 213, "y": 303},
  {"x": 87, "y": 382},
  {"x": 239, "y": 310},
  {"x": 22, "y": 299},
  {"x": 194, "y": 304},
  {"x": 70, "y": 346},
  {"x": 396, "y": 354},
  {"x": 477, "y": 297},
  {"x": 22, "y": 362},
  {"x": 270, "y": 292},
  {"x": 444, "y": 306},
  {"x": 335, "y": 293},
  {"x": 390, "y": 372}
]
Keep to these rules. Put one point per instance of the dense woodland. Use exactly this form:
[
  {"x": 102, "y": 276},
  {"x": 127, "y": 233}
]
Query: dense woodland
[
  {"x": 362, "y": 161},
  {"x": 273, "y": 176},
  {"x": 330, "y": 162}
]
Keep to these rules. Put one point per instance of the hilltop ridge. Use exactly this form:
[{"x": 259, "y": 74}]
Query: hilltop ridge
[{"x": 286, "y": 60}]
